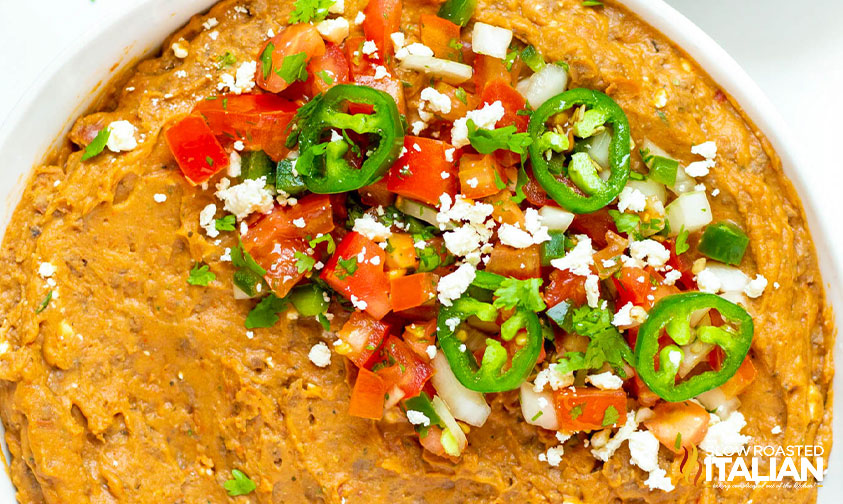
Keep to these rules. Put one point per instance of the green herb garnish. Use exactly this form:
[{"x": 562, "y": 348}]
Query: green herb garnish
[
  {"x": 201, "y": 274},
  {"x": 240, "y": 484},
  {"x": 97, "y": 145}
]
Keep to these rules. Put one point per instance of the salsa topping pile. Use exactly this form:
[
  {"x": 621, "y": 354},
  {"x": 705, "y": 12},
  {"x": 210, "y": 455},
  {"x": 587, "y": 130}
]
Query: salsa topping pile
[{"x": 463, "y": 224}]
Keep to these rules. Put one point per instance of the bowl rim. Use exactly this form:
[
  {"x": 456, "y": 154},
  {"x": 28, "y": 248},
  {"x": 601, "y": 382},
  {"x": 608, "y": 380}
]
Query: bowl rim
[{"x": 683, "y": 33}]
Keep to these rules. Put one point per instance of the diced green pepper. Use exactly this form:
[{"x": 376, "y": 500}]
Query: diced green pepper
[
  {"x": 724, "y": 242},
  {"x": 532, "y": 58},
  {"x": 553, "y": 248},
  {"x": 663, "y": 170},
  {"x": 457, "y": 11},
  {"x": 309, "y": 300},
  {"x": 287, "y": 180},
  {"x": 256, "y": 164}
]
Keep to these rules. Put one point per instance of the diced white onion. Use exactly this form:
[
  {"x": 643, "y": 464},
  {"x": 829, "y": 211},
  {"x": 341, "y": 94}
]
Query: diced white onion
[
  {"x": 738, "y": 298},
  {"x": 555, "y": 218},
  {"x": 544, "y": 85},
  {"x": 649, "y": 187},
  {"x": 239, "y": 294},
  {"x": 718, "y": 402},
  {"x": 450, "y": 71},
  {"x": 450, "y": 423},
  {"x": 683, "y": 183},
  {"x": 490, "y": 40},
  {"x": 597, "y": 147},
  {"x": 690, "y": 211},
  {"x": 535, "y": 413},
  {"x": 419, "y": 211},
  {"x": 395, "y": 395},
  {"x": 467, "y": 405},
  {"x": 731, "y": 279},
  {"x": 694, "y": 353}
]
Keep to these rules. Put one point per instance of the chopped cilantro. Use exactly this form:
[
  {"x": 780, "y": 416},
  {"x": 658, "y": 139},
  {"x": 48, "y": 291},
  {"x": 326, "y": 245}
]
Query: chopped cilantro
[
  {"x": 209, "y": 160},
  {"x": 293, "y": 68},
  {"x": 678, "y": 443},
  {"x": 201, "y": 274},
  {"x": 97, "y": 144},
  {"x": 241, "y": 259},
  {"x": 346, "y": 267},
  {"x": 592, "y": 3},
  {"x": 45, "y": 302},
  {"x": 487, "y": 141},
  {"x": 240, "y": 484},
  {"x": 610, "y": 416},
  {"x": 576, "y": 411},
  {"x": 226, "y": 60},
  {"x": 304, "y": 262},
  {"x": 523, "y": 293},
  {"x": 573, "y": 361},
  {"x": 461, "y": 96},
  {"x": 324, "y": 238},
  {"x": 606, "y": 344},
  {"x": 510, "y": 59},
  {"x": 226, "y": 223},
  {"x": 537, "y": 415},
  {"x": 265, "y": 313},
  {"x": 682, "y": 241},
  {"x": 266, "y": 59},
  {"x": 626, "y": 223},
  {"x": 310, "y": 10},
  {"x": 326, "y": 77}
]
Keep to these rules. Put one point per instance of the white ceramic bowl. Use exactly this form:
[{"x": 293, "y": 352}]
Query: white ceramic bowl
[{"x": 46, "y": 112}]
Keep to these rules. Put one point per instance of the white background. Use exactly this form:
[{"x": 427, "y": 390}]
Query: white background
[{"x": 793, "y": 49}]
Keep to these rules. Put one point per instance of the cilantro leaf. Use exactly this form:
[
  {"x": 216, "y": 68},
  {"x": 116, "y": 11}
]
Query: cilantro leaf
[
  {"x": 293, "y": 68},
  {"x": 240, "y": 484},
  {"x": 573, "y": 361},
  {"x": 265, "y": 313},
  {"x": 682, "y": 241},
  {"x": 304, "y": 262},
  {"x": 592, "y": 3},
  {"x": 626, "y": 223},
  {"x": 310, "y": 10},
  {"x": 610, "y": 416},
  {"x": 606, "y": 344},
  {"x": 461, "y": 96},
  {"x": 97, "y": 145},
  {"x": 266, "y": 59},
  {"x": 241, "y": 259},
  {"x": 522, "y": 293},
  {"x": 226, "y": 60},
  {"x": 576, "y": 411},
  {"x": 201, "y": 275},
  {"x": 43, "y": 305},
  {"x": 324, "y": 238},
  {"x": 326, "y": 77},
  {"x": 226, "y": 223},
  {"x": 346, "y": 267},
  {"x": 487, "y": 141}
]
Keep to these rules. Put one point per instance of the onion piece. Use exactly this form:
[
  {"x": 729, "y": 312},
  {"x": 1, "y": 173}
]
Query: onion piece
[
  {"x": 239, "y": 294},
  {"x": 543, "y": 416},
  {"x": 731, "y": 279},
  {"x": 544, "y": 85},
  {"x": 649, "y": 188},
  {"x": 694, "y": 353},
  {"x": 717, "y": 401},
  {"x": 555, "y": 218},
  {"x": 597, "y": 147},
  {"x": 690, "y": 211},
  {"x": 467, "y": 405},
  {"x": 450, "y": 71},
  {"x": 419, "y": 211},
  {"x": 490, "y": 40},
  {"x": 451, "y": 426}
]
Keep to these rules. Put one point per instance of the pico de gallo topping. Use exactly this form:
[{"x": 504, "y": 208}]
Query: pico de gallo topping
[{"x": 464, "y": 225}]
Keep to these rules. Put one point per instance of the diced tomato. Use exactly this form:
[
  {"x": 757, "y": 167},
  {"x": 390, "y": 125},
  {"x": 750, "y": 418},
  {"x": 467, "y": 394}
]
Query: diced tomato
[
  {"x": 278, "y": 258},
  {"x": 197, "y": 151},
  {"x": 487, "y": 69},
  {"x": 461, "y": 103},
  {"x": 480, "y": 176},
  {"x": 295, "y": 39},
  {"x": 594, "y": 225},
  {"x": 367, "y": 283},
  {"x": 440, "y": 35},
  {"x": 363, "y": 336},
  {"x": 412, "y": 290},
  {"x": 683, "y": 264},
  {"x": 259, "y": 121},
  {"x": 640, "y": 287},
  {"x": 402, "y": 252},
  {"x": 432, "y": 442},
  {"x": 376, "y": 194},
  {"x": 742, "y": 378},
  {"x": 504, "y": 209},
  {"x": 641, "y": 391},
  {"x": 420, "y": 173},
  {"x": 565, "y": 286},
  {"x": 512, "y": 262},
  {"x": 367, "y": 397},
  {"x": 684, "y": 421},
  {"x": 536, "y": 194},
  {"x": 363, "y": 68},
  {"x": 328, "y": 70},
  {"x": 500, "y": 90},
  {"x": 383, "y": 18},
  {"x": 586, "y": 408},
  {"x": 406, "y": 371},
  {"x": 314, "y": 210},
  {"x": 616, "y": 246},
  {"x": 419, "y": 336}
]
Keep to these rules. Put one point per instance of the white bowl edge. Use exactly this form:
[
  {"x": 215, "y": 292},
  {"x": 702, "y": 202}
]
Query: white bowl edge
[{"x": 40, "y": 119}]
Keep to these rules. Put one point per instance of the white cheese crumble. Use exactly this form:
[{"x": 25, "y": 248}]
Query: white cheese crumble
[
  {"x": 649, "y": 251},
  {"x": 370, "y": 48},
  {"x": 453, "y": 285},
  {"x": 533, "y": 225},
  {"x": 235, "y": 164},
  {"x": 358, "y": 20},
  {"x": 551, "y": 376},
  {"x": 334, "y": 30},
  {"x": 358, "y": 303},
  {"x": 46, "y": 270},
  {"x": 671, "y": 277},
  {"x": 210, "y": 23},
  {"x": 207, "y": 221},
  {"x": 299, "y": 223},
  {"x": 159, "y": 197},
  {"x": 414, "y": 49},
  {"x": 180, "y": 49},
  {"x": 606, "y": 451},
  {"x": 631, "y": 199},
  {"x": 249, "y": 196},
  {"x": 432, "y": 101},
  {"x": 756, "y": 286},
  {"x": 371, "y": 228},
  {"x": 724, "y": 437},
  {"x": 320, "y": 355},
  {"x": 398, "y": 40},
  {"x": 605, "y": 381},
  {"x": 242, "y": 81},
  {"x": 592, "y": 290},
  {"x": 579, "y": 259},
  {"x": 707, "y": 281},
  {"x": 699, "y": 168},
  {"x": 514, "y": 236},
  {"x": 485, "y": 118},
  {"x": 121, "y": 136},
  {"x": 431, "y": 351},
  {"x": 381, "y": 72},
  {"x": 417, "y": 418},
  {"x": 623, "y": 317},
  {"x": 707, "y": 149},
  {"x": 776, "y": 430}
]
